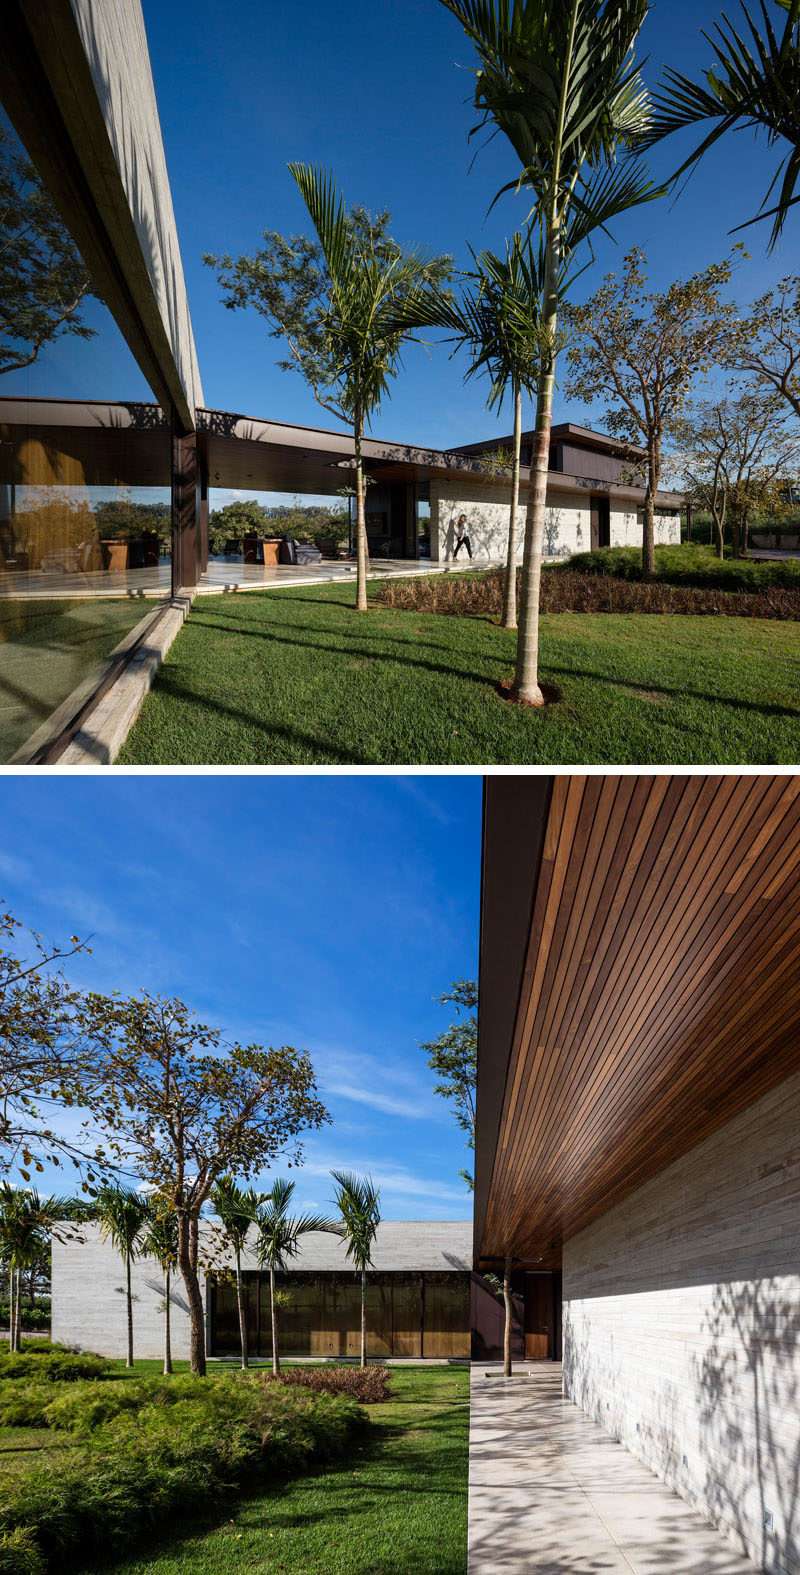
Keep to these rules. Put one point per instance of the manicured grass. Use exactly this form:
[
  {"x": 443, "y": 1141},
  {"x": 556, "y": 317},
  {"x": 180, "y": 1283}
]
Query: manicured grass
[
  {"x": 47, "y": 648},
  {"x": 397, "y": 1505},
  {"x": 297, "y": 676}
]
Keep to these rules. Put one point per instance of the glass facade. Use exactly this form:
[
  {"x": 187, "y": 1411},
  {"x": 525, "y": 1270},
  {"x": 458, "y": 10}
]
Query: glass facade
[
  {"x": 85, "y": 514},
  {"x": 408, "y": 1315}
]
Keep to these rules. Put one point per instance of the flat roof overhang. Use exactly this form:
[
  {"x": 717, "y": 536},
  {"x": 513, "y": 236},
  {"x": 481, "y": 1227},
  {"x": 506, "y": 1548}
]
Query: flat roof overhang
[
  {"x": 639, "y": 986},
  {"x": 124, "y": 442}
]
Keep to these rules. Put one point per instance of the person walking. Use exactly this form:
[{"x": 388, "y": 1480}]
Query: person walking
[{"x": 462, "y": 539}]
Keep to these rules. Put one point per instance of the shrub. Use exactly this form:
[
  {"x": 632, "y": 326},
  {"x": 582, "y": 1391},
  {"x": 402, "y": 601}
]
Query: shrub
[
  {"x": 19, "y": 1554},
  {"x": 155, "y": 1460},
  {"x": 690, "y": 564},
  {"x": 84, "y": 1407},
  {"x": 565, "y": 591},
  {"x": 32, "y": 1317},
  {"x": 24, "y": 1404},
  {"x": 57, "y": 1364},
  {"x": 366, "y": 1385}
]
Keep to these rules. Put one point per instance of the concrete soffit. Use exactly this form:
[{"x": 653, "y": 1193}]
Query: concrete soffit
[{"x": 76, "y": 82}]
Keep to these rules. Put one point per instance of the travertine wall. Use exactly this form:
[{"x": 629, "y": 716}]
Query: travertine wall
[
  {"x": 88, "y": 1279},
  {"x": 567, "y": 527},
  {"x": 682, "y": 1327}
]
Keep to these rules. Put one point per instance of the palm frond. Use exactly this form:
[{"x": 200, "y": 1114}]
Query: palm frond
[{"x": 751, "y": 84}]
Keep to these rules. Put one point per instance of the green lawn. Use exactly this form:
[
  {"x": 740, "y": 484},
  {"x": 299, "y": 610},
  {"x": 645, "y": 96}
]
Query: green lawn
[
  {"x": 47, "y": 648},
  {"x": 397, "y": 1506},
  {"x": 297, "y": 676}
]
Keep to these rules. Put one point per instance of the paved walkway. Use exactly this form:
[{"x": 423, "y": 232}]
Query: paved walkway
[
  {"x": 222, "y": 574},
  {"x": 551, "y": 1494}
]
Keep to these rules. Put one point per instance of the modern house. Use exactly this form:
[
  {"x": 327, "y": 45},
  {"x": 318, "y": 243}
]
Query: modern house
[
  {"x": 78, "y": 114},
  {"x": 418, "y": 1296},
  {"x": 638, "y": 1118}
]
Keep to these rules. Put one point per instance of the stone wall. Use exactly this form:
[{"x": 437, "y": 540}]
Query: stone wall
[
  {"x": 567, "y": 524},
  {"x": 682, "y": 1327}
]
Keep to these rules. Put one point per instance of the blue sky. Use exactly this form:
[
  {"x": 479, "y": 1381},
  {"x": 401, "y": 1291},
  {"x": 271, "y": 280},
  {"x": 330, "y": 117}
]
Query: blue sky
[
  {"x": 378, "y": 93},
  {"x": 322, "y": 912}
]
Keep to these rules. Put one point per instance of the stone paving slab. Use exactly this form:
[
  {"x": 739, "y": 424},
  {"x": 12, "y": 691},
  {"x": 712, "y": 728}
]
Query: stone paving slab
[{"x": 551, "y": 1494}]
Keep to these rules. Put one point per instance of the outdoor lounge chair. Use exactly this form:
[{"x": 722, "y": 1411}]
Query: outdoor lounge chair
[{"x": 293, "y": 551}]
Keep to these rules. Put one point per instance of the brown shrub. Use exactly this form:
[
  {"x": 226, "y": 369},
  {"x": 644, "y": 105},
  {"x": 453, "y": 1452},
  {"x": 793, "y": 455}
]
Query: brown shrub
[
  {"x": 366, "y": 1385},
  {"x": 564, "y": 591}
]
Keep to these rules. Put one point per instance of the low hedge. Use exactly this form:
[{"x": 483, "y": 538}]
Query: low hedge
[
  {"x": 690, "y": 564},
  {"x": 565, "y": 591},
  {"x": 147, "y": 1464},
  {"x": 32, "y": 1317},
  {"x": 52, "y": 1364},
  {"x": 368, "y": 1385}
]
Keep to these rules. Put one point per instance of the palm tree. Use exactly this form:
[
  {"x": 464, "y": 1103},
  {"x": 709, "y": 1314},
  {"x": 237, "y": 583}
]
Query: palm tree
[
  {"x": 559, "y": 80},
  {"x": 752, "y": 83},
  {"x": 358, "y": 1202},
  {"x": 498, "y": 318},
  {"x": 122, "y": 1214},
  {"x": 160, "y": 1241},
  {"x": 24, "y": 1222},
  {"x": 379, "y": 294},
  {"x": 279, "y": 1236},
  {"x": 237, "y": 1208}
]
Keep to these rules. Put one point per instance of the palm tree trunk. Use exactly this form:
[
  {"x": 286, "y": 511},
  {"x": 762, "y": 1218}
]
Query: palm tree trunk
[
  {"x": 361, "y": 524},
  {"x": 18, "y": 1314},
  {"x": 167, "y": 1337},
  {"x": 525, "y": 688},
  {"x": 275, "y": 1363},
  {"x": 240, "y": 1304},
  {"x": 363, "y": 1317},
  {"x": 509, "y": 620},
  {"x": 188, "y": 1268},
  {"x": 129, "y": 1299},
  {"x": 507, "y": 1329},
  {"x": 12, "y": 1308}
]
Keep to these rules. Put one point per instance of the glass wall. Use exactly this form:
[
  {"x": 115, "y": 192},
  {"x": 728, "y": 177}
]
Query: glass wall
[
  {"x": 408, "y": 1315},
  {"x": 85, "y": 522}
]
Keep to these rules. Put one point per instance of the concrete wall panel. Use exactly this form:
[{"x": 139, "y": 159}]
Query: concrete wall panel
[
  {"x": 567, "y": 523},
  {"x": 682, "y": 1327},
  {"x": 88, "y": 1279}
]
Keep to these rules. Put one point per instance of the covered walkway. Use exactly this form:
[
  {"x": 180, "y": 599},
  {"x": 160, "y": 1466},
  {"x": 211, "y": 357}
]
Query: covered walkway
[{"x": 551, "y": 1494}]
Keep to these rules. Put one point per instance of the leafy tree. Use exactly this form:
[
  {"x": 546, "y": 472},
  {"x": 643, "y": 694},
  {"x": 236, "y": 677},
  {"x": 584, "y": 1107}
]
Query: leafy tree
[
  {"x": 237, "y": 1208},
  {"x": 498, "y": 319},
  {"x": 160, "y": 1241},
  {"x": 640, "y": 351},
  {"x": 765, "y": 343},
  {"x": 43, "y": 1061},
  {"x": 559, "y": 81},
  {"x": 279, "y": 1238},
  {"x": 453, "y": 1056},
  {"x": 121, "y": 517},
  {"x": 752, "y": 83},
  {"x": 358, "y": 1202},
  {"x": 123, "y": 1214},
  {"x": 231, "y": 523},
  {"x": 42, "y": 278},
  {"x": 345, "y": 302},
  {"x": 735, "y": 454},
  {"x": 183, "y": 1108}
]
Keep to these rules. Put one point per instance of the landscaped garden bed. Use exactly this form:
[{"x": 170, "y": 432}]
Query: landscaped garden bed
[
  {"x": 236, "y": 1471},
  {"x": 590, "y": 589},
  {"x": 297, "y": 676},
  {"x": 117, "y": 1458}
]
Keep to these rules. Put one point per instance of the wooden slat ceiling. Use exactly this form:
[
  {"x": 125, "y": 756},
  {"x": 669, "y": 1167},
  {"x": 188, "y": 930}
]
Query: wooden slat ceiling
[{"x": 660, "y": 995}]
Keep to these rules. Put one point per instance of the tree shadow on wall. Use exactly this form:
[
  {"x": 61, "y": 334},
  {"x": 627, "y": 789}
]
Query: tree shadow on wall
[{"x": 749, "y": 1383}]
